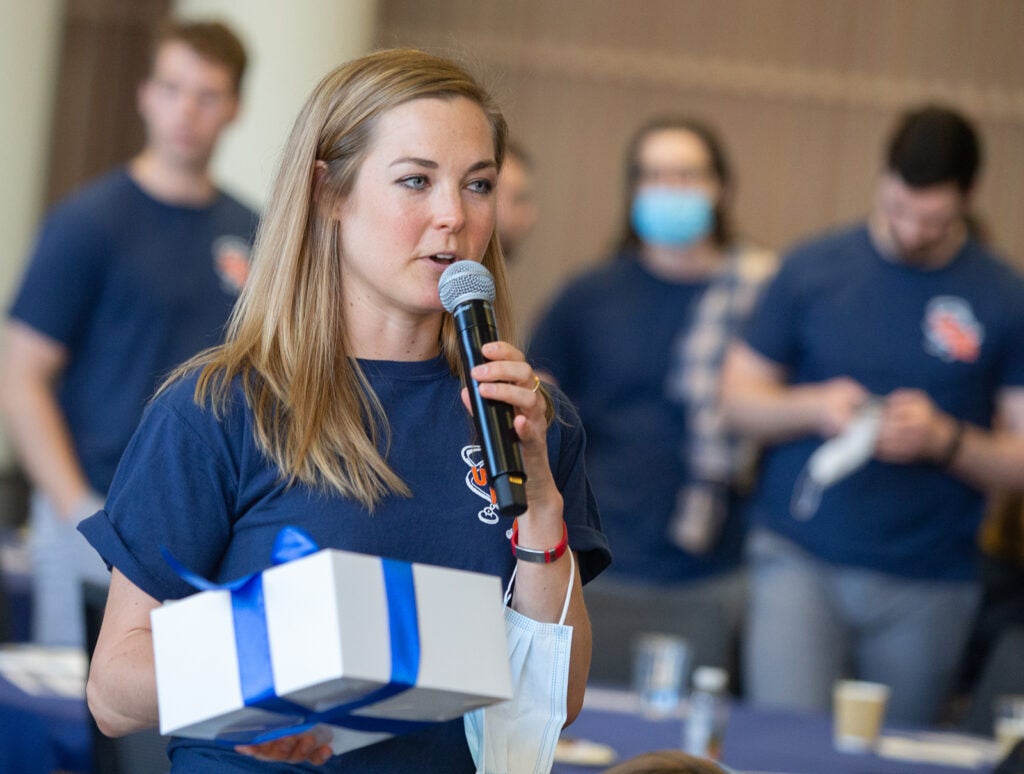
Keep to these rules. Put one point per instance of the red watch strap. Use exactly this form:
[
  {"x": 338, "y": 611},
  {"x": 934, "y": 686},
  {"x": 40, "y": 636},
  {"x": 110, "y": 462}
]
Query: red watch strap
[{"x": 534, "y": 555}]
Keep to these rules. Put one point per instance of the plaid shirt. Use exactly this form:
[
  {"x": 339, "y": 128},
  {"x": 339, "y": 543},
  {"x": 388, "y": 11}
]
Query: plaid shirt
[{"x": 715, "y": 458}]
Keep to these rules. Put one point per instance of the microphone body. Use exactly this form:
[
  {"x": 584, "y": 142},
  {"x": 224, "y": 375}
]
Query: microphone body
[{"x": 503, "y": 458}]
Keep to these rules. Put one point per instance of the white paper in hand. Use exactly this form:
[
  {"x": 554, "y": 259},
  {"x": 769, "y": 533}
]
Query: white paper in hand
[{"x": 836, "y": 459}]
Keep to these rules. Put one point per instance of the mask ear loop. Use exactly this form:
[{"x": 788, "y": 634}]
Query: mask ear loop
[
  {"x": 568, "y": 591},
  {"x": 508, "y": 588}
]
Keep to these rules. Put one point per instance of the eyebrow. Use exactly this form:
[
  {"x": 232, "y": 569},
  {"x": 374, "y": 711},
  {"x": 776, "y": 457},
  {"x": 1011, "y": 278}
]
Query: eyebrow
[{"x": 488, "y": 164}]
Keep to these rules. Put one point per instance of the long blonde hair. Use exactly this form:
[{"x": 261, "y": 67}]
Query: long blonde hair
[{"x": 316, "y": 416}]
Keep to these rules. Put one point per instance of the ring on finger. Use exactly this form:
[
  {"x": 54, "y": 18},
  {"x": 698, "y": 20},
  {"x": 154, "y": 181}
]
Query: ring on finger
[{"x": 536, "y": 383}]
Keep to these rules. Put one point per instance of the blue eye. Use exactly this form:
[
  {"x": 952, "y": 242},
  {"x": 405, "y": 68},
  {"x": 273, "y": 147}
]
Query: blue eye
[
  {"x": 416, "y": 182},
  {"x": 481, "y": 186}
]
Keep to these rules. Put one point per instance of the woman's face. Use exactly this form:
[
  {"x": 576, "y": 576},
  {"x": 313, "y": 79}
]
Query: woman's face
[
  {"x": 423, "y": 198},
  {"x": 676, "y": 158}
]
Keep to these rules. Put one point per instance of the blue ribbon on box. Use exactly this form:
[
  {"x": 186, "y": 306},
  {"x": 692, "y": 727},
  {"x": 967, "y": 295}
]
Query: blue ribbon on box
[{"x": 253, "y": 646}]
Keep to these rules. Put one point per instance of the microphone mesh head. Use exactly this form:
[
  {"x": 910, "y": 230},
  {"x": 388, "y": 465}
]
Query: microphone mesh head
[{"x": 465, "y": 281}]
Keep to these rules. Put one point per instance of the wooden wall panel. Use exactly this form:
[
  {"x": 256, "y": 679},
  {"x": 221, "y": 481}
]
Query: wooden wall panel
[
  {"x": 804, "y": 93},
  {"x": 104, "y": 56}
]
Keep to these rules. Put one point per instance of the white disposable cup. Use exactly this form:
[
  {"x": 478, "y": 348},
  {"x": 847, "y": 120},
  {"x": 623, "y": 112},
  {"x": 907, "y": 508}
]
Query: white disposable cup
[{"x": 859, "y": 709}]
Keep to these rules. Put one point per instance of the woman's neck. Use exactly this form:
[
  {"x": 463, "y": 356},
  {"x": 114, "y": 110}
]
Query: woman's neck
[
  {"x": 391, "y": 339},
  {"x": 682, "y": 264}
]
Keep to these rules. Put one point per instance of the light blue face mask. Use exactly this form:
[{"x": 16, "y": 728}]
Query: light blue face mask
[
  {"x": 672, "y": 217},
  {"x": 837, "y": 458},
  {"x": 519, "y": 736}
]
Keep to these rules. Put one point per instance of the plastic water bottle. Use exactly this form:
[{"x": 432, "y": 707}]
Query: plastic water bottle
[{"x": 705, "y": 724}]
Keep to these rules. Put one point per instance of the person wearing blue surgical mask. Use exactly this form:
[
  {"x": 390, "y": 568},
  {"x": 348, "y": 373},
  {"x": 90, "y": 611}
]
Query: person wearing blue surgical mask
[{"x": 637, "y": 343}]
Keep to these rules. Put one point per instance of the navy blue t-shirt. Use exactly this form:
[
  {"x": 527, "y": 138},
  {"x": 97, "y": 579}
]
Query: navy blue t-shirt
[
  {"x": 840, "y": 308},
  {"x": 201, "y": 487},
  {"x": 131, "y": 287},
  {"x": 607, "y": 339}
]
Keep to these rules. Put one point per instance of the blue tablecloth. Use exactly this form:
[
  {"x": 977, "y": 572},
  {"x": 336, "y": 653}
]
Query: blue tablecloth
[
  {"x": 755, "y": 740},
  {"x": 39, "y": 735}
]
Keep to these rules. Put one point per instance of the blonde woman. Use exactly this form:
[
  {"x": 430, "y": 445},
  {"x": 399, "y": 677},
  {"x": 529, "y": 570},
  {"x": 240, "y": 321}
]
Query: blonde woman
[{"x": 336, "y": 403}]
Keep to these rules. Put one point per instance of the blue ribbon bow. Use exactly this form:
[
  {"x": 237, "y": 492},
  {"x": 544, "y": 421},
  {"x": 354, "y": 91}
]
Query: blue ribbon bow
[{"x": 253, "y": 646}]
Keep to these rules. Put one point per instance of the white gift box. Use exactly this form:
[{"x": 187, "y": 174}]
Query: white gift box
[{"x": 327, "y": 625}]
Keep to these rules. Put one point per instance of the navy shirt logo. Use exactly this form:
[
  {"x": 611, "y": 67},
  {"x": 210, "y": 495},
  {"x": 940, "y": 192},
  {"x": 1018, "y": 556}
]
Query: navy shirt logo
[
  {"x": 476, "y": 480},
  {"x": 231, "y": 262},
  {"x": 952, "y": 332}
]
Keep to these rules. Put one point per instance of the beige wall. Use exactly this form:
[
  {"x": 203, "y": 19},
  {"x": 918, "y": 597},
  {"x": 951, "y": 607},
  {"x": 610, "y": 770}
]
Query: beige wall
[
  {"x": 29, "y": 37},
  {"x": 803, "y": 92}
]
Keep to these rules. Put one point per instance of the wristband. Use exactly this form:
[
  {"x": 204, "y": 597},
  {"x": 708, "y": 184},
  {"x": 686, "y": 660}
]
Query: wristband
[
  {"x": 949, "y": 453},
  {"x": 532, "y": 554}
]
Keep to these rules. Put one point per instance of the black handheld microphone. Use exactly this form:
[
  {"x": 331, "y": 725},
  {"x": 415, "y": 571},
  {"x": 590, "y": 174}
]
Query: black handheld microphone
[{"x": 467, "y": 292}]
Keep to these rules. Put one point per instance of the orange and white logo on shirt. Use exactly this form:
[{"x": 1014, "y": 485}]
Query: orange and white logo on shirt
[
  {"x": 476, "y": 480},
  {"x": 952, "y": 332},
  {"x": 231, "y": 262}
]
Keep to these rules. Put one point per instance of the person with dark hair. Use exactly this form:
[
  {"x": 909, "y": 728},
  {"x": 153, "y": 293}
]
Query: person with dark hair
[
  {"x": 337, "y": 404},
  {"x": 212, "y": 41},
  {"x": 934, "y": 146},
  {"x": 637, "y": 344},
  {"x": 517, "y": 205},
  {"x": 992, "y": 664},
  {"x": 901, "y": 339},
  {"x": 131, "y": 275}
]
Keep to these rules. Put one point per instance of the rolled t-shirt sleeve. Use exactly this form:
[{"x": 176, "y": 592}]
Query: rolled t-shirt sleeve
[
  {"x": 580, "y": 511},
  {"x": 63, "y": 277},
  {"x": 1012, "y": 366},
  {"x": 175, "y": 488},
  {"x": 773, "y": 328}
]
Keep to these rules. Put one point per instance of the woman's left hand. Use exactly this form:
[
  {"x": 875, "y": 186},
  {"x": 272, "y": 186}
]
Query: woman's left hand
[{"x": 308, "y": 747}]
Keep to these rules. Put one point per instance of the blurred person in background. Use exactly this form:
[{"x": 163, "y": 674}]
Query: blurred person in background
[
  {"x": 517, "y": 206},
  {"x": 637, "y": 343},
  {"x": 908, "y": 316},
  {"x": 131, "y": 275},
  {"x": 994, "y": 659}
]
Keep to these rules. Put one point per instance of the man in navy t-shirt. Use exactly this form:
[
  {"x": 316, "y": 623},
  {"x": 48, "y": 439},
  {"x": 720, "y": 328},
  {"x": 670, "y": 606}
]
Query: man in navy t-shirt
[
  {"x": 863, "y": 558},
  {"x": 131, "y": 275}
]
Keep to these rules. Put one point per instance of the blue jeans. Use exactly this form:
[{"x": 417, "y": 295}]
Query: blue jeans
[
  {"x": 811, "y": 623},
  {"x": 61, "y": 559}
]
